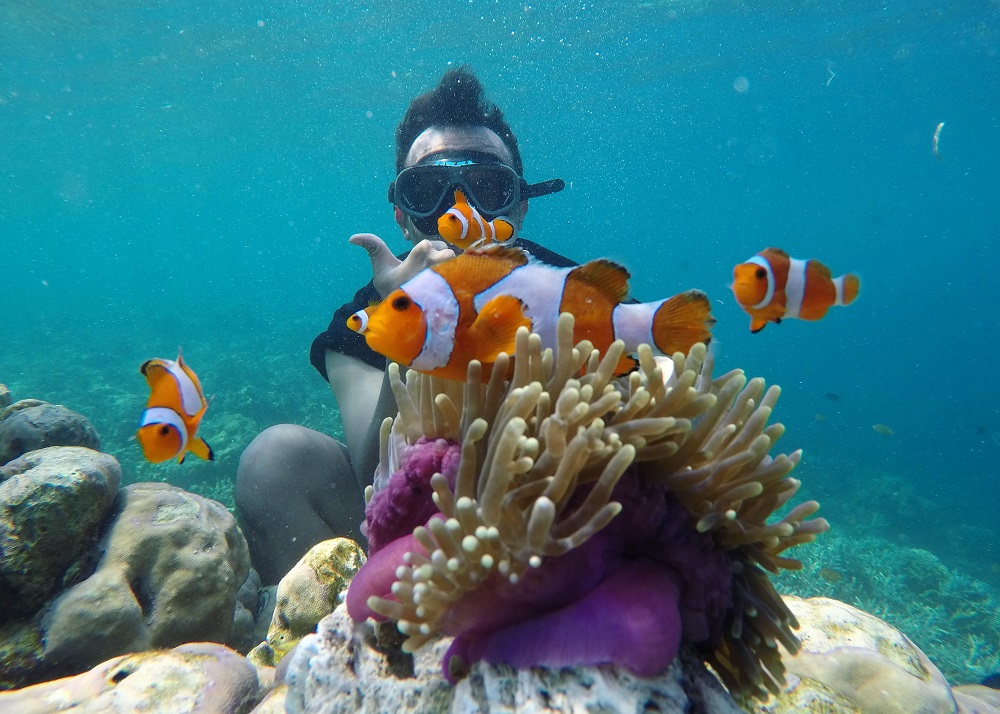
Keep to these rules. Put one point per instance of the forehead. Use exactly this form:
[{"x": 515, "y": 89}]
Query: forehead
[{"x": 457, "y": 138}]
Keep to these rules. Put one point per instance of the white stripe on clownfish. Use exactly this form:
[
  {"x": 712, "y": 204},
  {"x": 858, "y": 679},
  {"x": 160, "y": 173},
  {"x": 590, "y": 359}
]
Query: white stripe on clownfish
[
  {"x": 485, "y": 229},
  {"x": 539, "y": 287},
  {"x": 795, "y": 286},
  {"x": 164, "y": 415},
  {"x": 769, "y": 295},
  {"x": 191, "y": 398},
  {"x": 633, "y": 324},
  {"x": 434, "y": 296},
  {"x": 838, "y": 286}
]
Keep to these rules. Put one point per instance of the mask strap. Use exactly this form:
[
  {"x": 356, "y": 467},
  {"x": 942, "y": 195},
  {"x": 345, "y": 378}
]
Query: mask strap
[{"x": 543, "y": 188}]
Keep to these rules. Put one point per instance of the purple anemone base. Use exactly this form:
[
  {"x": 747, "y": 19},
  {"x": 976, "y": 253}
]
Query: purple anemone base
[{"x": 628, "y": 596}]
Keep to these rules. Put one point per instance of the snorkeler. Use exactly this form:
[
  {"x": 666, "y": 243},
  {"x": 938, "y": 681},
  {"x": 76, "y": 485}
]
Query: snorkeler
[{"x": 296, "y": 486}]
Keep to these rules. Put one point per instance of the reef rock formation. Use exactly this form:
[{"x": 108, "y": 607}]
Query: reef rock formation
[
  {"x": 167, "y": 568},
  {"x": 33, "y": 424},
  {"x": 310, "y": 591},
  {"x": 202, "y": 678},
  {"x": 53, "y": 502},
  {"x": 851, "y": 662},
  {"x": 171, "y": 567},
  {"x": 566, "y": 518},
  {"x": 346, "y": 668}
]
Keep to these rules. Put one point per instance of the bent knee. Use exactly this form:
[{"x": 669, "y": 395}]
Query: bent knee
[
  {"x": 265, "y": 467},
  {"x": 283, "y": 462}
]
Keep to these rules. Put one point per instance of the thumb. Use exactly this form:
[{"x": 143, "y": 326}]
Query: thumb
[{"x": 382, "y": 258}]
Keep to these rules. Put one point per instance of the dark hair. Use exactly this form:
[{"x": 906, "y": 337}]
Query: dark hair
[{"x": 456, "y": 101}]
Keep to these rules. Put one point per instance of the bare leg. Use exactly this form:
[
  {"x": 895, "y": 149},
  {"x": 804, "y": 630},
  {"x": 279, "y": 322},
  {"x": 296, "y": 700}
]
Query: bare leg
[{"x": 294, "y": 488}]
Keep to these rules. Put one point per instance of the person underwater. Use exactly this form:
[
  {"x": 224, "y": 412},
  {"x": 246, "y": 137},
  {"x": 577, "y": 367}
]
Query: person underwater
[
  {"x": 174, "y": 411},
  {"x": 471, "y": 306},
  {"x": 772, "y": 286},
  {"x": 464, "y": 227}
]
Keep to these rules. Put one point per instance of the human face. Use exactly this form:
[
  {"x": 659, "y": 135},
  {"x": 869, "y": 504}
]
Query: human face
[{"x": 438, "y": 140}]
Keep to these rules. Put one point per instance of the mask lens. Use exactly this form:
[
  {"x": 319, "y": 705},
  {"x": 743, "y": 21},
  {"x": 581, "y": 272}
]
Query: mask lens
[
  {"x": 428, "y": 225},
  {"x": 494, "y": 188},
  {"x": 419, "y": 190}
]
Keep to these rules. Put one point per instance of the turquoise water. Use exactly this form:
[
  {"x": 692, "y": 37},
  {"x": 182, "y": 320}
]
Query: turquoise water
[{"x": 187, "y": 173}]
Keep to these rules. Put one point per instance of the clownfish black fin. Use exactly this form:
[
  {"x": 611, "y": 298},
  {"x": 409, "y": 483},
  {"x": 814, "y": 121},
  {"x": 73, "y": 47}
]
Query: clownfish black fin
[
  {"x": 201, "y": 449},
  {"x": 625, "y": 365}
]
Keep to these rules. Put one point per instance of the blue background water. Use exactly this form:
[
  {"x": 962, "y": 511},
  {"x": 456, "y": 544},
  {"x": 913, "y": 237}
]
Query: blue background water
[{"x": 187, "y": 173}]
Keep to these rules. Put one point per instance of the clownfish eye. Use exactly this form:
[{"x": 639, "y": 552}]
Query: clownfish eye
[
  {"x": 761, "y": 273},
  {"x": 401, "y": 303},
  {"x": 164, "y": 430}
]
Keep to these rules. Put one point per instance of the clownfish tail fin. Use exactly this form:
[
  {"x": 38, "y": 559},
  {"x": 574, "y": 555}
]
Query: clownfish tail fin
[
  {"x": 201, "y": 449},
  {"x": 847, "y": 288},
  {"x": 682, "y": 321},
  {"x": 503, "y": 229}
]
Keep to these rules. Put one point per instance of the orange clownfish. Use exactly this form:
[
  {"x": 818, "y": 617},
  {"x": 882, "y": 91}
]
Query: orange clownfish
[
  {"x": 174, "y": 410},
  {"x": 471, "y": 306},
  {"x": 463, "y": 226},
  {"x": 772, "y": 286}
]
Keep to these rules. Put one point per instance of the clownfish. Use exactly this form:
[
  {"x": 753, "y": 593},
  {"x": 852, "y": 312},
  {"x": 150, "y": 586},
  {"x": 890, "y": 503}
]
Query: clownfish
[
  {"x": 471, "y": 306},
  {"x": 772, "y": 286},
  {"x": 463, "y": 226},
  {"x": 174, "y": 410}
]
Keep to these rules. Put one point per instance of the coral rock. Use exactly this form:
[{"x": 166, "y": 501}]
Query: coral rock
[
  {"x": 343, "y": 668},
  {"x": 273, "y": 703},
  {"x": 29, "y": 424},
  {"x": 851, "y": 662},
  {"x": 52, "y": 504},
  {"x": 199, "y": 678},
  {"x": 310, "y": 591},
  {"x": 172, "y": 565}
]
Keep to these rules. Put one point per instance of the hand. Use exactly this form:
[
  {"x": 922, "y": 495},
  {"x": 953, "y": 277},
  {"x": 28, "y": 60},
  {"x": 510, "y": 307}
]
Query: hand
[{"x": 388, "y": 272}]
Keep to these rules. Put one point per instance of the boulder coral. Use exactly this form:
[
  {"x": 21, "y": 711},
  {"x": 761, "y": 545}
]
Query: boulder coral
[
  {"x": 200, "y": 677},
  {"x": 171, "y": 568},
  {"x": 308, "y": 592},
  {"x": 31, "y": 424},
  {"x": 53, "y": 502},
  {"x": 563, "y": 517},
  {"x": 854, "y": 663}
]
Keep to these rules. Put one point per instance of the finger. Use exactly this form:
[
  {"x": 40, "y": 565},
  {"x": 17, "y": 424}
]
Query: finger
[
  {"x": 427, "y": 253},
  {"x": 382, "y": 258}
]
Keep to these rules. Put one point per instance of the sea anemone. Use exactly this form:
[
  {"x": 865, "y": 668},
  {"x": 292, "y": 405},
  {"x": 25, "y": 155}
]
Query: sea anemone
[{"x": 563, "y": 517}]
